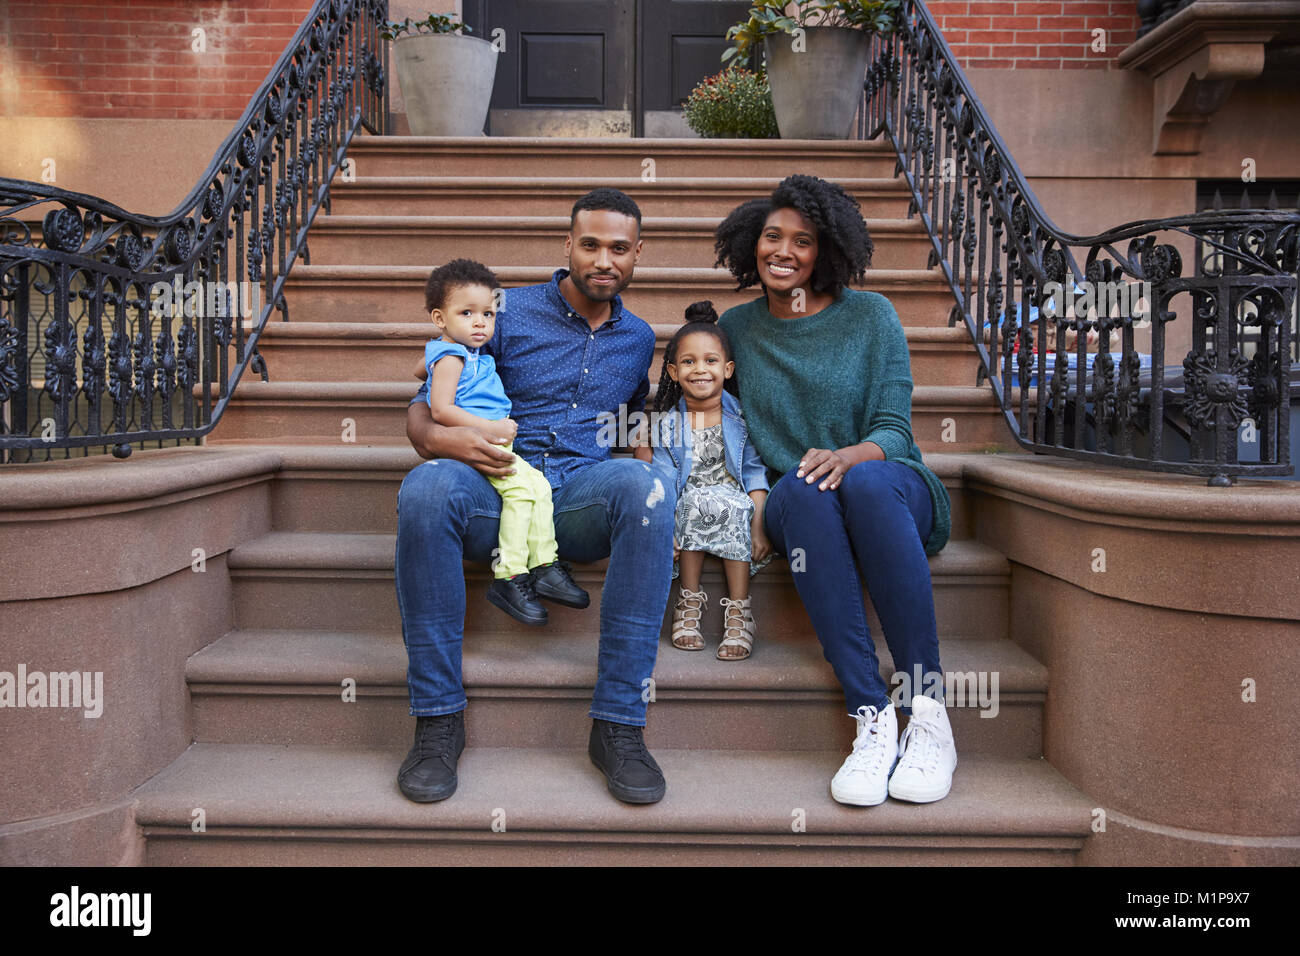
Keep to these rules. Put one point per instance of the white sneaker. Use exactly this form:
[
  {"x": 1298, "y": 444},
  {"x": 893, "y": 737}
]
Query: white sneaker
[
  {"x": 929, "y": 756},
  {"x": 863, "y": 780}
]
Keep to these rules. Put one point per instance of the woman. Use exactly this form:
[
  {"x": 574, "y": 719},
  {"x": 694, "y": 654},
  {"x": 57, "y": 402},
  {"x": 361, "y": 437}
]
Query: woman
[{"x": 826, "y": 386}]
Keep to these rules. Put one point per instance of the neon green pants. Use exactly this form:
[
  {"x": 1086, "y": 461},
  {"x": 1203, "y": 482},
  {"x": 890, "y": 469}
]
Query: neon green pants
[{"x": 527, "y": 536}]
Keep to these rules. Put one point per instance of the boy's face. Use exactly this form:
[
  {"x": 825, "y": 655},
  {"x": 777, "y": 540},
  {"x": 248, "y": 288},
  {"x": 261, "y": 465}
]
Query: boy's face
[{"x": 467, "y": 316}]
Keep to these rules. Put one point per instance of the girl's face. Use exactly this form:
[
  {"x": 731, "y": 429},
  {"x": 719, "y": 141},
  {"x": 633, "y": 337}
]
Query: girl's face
[
  {"x": 786, "y": 251},
  {"x": 701, "y": 366}
]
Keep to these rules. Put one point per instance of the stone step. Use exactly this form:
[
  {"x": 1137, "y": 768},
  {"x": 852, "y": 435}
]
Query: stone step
[
  {"x": 944, "y": 418},
  {"x": 372, "y": 351},
  {"x": 354, "y": 293},
  {"x": 424, "y": 195},
  {"x": 539, "y": 240},
  {"x": 344, "y": 582},
  {"x": 528, "y": 157},
  {"x": 270, "y": 805},
  {"x": 534, "y": 690},
  {"x": 352, "y": 489}
]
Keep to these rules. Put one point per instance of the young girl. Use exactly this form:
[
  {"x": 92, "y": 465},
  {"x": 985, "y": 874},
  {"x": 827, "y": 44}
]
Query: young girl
[{"x": 700, "y": 437}]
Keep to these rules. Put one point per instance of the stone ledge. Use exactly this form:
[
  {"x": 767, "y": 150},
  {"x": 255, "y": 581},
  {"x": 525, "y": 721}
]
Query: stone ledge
[{"x": 1196, "y": 57}]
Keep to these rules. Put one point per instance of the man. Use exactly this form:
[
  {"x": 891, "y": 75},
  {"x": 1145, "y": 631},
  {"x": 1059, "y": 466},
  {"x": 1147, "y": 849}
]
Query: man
[{"x": 567, "y": 351}]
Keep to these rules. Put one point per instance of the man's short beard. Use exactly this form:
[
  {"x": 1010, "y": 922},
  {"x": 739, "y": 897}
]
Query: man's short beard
[{"x": 595, "y": 293}]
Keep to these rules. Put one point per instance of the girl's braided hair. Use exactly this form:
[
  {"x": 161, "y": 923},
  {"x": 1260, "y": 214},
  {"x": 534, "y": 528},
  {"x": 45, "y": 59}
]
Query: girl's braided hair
[{"x": 700, "y": 317}]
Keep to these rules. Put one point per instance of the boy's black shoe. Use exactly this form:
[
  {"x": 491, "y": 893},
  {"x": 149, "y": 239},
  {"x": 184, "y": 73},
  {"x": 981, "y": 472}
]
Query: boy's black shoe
[
  {"x": 619, "y": 751},
  {"x": 554, "y": 583},
  {"x": 517, "y": 598},
  {"x": 429, "y": 771}
]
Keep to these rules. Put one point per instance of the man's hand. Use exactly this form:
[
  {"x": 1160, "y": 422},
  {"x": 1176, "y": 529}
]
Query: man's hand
[{"x": 460, "y": 442}]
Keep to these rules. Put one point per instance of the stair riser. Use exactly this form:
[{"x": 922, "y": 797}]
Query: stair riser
[
  {"x": 678, "y": 248},
  {"x": 322, "y": 422},
  {"x": 325, "y": 300},
  {"x": 965, "y": 605},
  {"x": 379, "y": 718},
  {"x": 392, "y": 359},
  {"x": 268, "y": 847},
  {"x": 365, "y": 200},
  {"x": 368, "y": 504},
  {"x": 618, "y": 163}
]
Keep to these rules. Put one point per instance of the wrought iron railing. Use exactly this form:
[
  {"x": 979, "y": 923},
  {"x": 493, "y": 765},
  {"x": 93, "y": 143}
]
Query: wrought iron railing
[
  {"x": 118, "y": 329},
  {"x": 1018, "y": 280}
]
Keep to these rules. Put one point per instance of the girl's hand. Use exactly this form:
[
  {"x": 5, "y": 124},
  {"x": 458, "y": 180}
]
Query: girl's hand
[
  {"x": 824, "y": 464},
  {"x": 760, "y": 546},
  {"x": 677, "y": 549}
]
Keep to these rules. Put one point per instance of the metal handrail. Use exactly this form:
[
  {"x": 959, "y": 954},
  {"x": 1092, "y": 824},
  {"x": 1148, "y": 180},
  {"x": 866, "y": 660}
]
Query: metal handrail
[
  {"x": 148, "y": 310},
  {"x": 1005, "y": 260}
]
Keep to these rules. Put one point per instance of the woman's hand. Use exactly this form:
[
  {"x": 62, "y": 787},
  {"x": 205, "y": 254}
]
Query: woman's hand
[{"x": 825, "y": 465}]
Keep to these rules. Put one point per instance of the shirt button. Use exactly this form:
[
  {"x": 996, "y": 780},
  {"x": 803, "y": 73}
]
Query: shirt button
[
  {"x": 584, "y": 371},
  {"x": 591, "y": 336},
  {"x": 575, "y": 404},
  {"x": 546, "y": 454}
]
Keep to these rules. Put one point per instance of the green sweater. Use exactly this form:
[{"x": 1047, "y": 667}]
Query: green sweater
[{"x": 837, "y": 377}]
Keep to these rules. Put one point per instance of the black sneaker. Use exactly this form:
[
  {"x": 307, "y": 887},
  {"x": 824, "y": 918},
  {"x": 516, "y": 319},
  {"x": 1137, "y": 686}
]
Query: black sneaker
[
  {"x": 619, "y": 751},
  {"x": 517, "y": 598},
  {"x": 554, "y": 583},
  {"x": 429, "y": 771}
]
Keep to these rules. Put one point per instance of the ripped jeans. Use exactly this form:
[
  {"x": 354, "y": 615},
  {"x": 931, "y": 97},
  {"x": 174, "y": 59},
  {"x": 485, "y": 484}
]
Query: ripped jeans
[{"x": 620, "y": 509}]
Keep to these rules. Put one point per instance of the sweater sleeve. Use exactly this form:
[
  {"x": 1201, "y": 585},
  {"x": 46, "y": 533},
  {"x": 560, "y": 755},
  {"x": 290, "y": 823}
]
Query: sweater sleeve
[{"x": 889, "y": 422}]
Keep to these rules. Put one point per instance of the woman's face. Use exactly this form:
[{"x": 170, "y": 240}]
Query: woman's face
[{"x": 786, "y": 251}]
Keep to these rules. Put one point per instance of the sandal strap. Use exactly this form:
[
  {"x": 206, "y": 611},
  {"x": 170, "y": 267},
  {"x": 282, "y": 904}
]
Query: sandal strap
[{"x": 744, "y": 631}]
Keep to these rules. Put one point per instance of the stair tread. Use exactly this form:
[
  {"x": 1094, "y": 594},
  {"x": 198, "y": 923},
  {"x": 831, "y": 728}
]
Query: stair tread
[
  {"x": 498, "y": 224},
  {"x": 644, "y": 275},
  {"x": 782, "y": 662},
  {"x": 583, "y": 184},
  {"x": 978, "y": 396},
  {"x": 638, "y": 145},
  {"x": 318, "y": 550},
  {"x": 422, "y": 330},
  {"x": 551, "y": 790}
]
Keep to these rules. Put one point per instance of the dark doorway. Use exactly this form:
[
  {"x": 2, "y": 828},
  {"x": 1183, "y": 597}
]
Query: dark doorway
[{"x": 599, "y": 67}]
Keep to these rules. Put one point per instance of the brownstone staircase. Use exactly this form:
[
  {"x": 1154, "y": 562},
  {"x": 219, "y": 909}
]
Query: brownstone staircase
[{"x": 288, "y": 769}]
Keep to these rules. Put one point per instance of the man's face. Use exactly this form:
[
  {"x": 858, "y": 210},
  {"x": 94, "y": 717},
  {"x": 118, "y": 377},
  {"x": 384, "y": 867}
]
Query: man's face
[{"x": 603, "y": 247}]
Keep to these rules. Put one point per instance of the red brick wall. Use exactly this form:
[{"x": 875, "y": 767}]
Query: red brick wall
[
  {"x": 135, "y": 58},
  {"x": 1051, "y": 35}
]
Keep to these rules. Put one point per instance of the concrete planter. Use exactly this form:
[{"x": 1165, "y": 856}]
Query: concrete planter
[
  {"x": 816, "y": 91},
  {"x": 446, "y": 82}
]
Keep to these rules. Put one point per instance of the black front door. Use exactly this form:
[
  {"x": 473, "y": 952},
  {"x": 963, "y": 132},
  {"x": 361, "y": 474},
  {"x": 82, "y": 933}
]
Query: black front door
[
  {"x": 559, "y": 54},
  {"x": 681, "y": 42},
  {"x": 599, "y": 57}
]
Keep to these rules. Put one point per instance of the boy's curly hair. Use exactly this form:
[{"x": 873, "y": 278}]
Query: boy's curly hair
[
  {"x": 457, "y": 273},
  {"x": 843, "y": 243}
]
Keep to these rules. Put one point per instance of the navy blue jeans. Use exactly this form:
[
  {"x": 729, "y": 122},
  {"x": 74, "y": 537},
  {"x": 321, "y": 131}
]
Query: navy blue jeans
[
  {"x": 617, "y": 509},
  {"x": 874, "y": 525}
]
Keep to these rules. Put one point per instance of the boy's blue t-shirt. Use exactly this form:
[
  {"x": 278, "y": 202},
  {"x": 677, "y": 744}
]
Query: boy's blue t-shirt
[{"x": 479, "y": 390}]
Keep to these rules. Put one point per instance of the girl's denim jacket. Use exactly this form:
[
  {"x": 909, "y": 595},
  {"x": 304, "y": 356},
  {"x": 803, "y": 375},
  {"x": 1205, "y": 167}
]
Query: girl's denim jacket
[{"x": 672, "y": 453}]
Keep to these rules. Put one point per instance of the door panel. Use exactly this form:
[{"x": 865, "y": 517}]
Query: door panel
[{"x": 681, "y": 43}]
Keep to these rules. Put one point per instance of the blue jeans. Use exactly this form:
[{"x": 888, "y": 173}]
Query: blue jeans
[
  {"x": 618, "y": 509},
  {"x": 874, "y": 525}
]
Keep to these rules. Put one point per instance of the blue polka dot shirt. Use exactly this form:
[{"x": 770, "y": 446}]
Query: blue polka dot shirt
[{"x": 565, "y": 379}]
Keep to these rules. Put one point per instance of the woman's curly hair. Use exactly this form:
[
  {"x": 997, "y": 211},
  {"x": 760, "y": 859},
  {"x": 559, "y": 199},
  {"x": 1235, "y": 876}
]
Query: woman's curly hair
[{"x": 843, "y": 243}]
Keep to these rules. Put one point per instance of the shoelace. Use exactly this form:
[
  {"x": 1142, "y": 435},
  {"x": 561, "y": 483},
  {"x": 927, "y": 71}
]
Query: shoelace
[
  {"x": 627, "y": 743},
  {"x": 920, "y": 744},
  {"x": 436, "y": 738},
  {"x": 870, "y": 745},
  {"x": 694, "y": 612},
  {"x": 525, "y": 584}
]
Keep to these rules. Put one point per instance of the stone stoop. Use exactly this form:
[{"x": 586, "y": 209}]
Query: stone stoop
[{"x": 288, "y": 771}]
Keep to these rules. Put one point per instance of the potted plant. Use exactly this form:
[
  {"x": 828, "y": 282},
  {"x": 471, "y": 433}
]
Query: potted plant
[
  {"x": 733, "y": 103},
  {"x": 446, "y": 75},
  {"x": 816, "y": 58}
]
